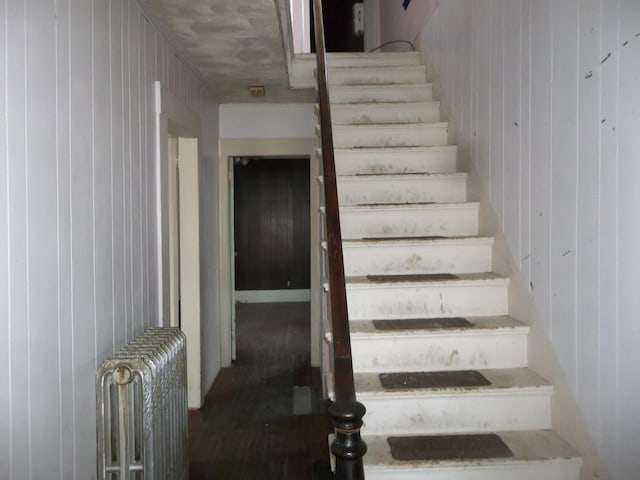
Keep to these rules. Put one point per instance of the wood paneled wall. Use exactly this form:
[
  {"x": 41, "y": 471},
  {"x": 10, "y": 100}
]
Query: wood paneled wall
[
  {"x": 547, "y": 101},
  {"x": 271, "y": 224},
  {"x": 78, "y": 256}
]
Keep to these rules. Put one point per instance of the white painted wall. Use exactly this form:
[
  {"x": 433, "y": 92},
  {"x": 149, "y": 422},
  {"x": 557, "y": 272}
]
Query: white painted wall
[
  {"x": 300, "y": 25},
  {"x": 545, "y": 94},
  {"x": 256, "y": 120},
  {"x": 396, "y": 23},
  {"x": 209, "y": 246},
  {"x": 78, "y": 216},
  {"x": 371, "y": 24}
]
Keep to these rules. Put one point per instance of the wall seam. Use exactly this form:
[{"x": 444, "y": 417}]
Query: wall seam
[
  {"x": 27, "y": 260},
  {"x": 8, "y": 220},
  {"x": 550, "y": 259}
]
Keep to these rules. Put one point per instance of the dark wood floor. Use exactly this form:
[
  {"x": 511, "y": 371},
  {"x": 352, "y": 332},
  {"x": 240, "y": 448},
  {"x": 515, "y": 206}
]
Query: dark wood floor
[{"x": 246, "y": 429}]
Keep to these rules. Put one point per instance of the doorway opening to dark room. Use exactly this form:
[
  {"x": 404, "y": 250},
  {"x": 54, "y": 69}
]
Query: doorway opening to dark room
[{"x": 264, "y": 417}]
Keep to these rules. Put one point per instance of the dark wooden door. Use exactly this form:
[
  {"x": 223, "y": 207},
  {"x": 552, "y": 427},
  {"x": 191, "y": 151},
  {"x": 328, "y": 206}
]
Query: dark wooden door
[
  {"x": 338, "y": 27},
  {"x": 271, "y": 224}
]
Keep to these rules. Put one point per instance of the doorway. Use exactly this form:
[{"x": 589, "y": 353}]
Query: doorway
[
  {"x": 339, "y": 26},
  {"x": 271, "y": 229},
  {"x": 230, "y": 149}
]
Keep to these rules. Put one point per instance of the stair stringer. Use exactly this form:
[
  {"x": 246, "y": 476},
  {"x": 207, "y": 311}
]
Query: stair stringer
[{"x": 567, "y": 420}]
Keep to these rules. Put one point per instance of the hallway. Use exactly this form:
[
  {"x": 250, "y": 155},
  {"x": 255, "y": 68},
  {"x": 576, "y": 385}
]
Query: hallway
[{"x": 259, "y": 420}]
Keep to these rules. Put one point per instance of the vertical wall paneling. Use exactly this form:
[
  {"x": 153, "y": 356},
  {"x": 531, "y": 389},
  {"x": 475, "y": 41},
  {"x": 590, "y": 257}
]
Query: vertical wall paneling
[
  {"x": 151, "y": 66},
  {"x": 545, "y": 94},
  {"x": 5, "y": 342},
  {"x": 497, "y": 107},
  {"x": 541, "y": 134},
  {"x": 117, "y": 170},
  {"x": 41, "y": 236},
  {"x": 608, "y": 287},
  {"x": 564, "y": 172},
  {"x": 526, "y": 81},
  {"x": 148, "y": 67},
  {"x": 126, "y": 168},
  {"x": 512, "y": 124},
  {"x": 78, "y": 213},
  {"x": 473, "y": 94},
  {"x": 82, "y": 234},
  {"x": 67, "y": 438},
  {"x": 588, "y": 223},
  {"x": 18, "y": 241},
  {"x": 483, "y": 130},
  {"x": 102, "y": 213},
  {"x": 135, "y": 167},
  {"x": 628, "y": 234}
]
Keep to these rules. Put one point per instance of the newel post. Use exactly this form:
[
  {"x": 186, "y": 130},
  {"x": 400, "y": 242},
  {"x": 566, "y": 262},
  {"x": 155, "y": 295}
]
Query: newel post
[{"x": 348, "y": 446}]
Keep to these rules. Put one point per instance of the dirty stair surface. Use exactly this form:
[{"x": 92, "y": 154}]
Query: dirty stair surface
[{"x": 440, "y": 365}]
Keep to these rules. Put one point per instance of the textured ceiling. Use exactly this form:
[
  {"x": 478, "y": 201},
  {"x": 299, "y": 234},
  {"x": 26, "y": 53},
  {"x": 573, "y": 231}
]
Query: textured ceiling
[{"x": 231, "y": 44}]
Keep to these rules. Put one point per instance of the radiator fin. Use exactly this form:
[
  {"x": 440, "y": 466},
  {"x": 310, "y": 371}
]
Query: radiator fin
[{"x": 141, "y": 394}]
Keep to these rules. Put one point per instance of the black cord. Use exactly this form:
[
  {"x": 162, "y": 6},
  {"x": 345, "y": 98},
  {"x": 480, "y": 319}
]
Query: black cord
[{"x": 413, "y": 47}]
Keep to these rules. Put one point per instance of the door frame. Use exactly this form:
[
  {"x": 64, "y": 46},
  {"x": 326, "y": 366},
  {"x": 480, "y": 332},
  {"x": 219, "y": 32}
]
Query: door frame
[
  {"x": 174, "y": 118},
  {"x": 264, "y": 147}
]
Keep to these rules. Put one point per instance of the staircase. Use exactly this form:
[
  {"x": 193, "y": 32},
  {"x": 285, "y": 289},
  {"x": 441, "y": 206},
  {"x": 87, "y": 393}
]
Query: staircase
[{"x": 438, "y": 361}]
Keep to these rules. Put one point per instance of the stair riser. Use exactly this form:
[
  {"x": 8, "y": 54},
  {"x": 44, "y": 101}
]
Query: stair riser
[
  {"x": 456, "y": 413},
  {"x": 377, "y": 75},
  {"x": 422, "y": 190},
  {"x": 381, "y": 94},
  {"x": 425, "y": 112},
  {"x": 386, "y": 136},
  {"x": 367, "y": 162},
  {"x": 469, "y": 300},
  {"x": 371, "y": 222},
  {"x": 439, "y": 352},
  {"x": 372, "y": 60},
  {"x": 562, "y": 470},
  {"x": 417, "y": 258}
]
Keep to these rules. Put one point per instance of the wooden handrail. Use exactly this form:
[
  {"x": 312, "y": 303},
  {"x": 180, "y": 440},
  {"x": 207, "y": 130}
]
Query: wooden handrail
[{"x": 348, "y": 447}]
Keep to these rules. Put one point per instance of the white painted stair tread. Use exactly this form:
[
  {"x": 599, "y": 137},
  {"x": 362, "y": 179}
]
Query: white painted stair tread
[
  {"x": 391, "y": 160},
  {"x": 391, "y": 135},
  {"x": 376, "y": 75},
  {"x": 390, "y": 112},
  {"x": 454, "y": 410},
  {"x": 410, "y": 220},
  {"x": 417, "y": 255},
  {"x": 477, "y": 294},
  {"x": 368, "y": 384},
  {"x": 481, "y": 326},
  {"x": 346, "y": 59},
  {"x": 362, "y": 281},
  {"x": 402, "y": 188},
  {"x": 492, "y": 342},
  {"x": 537, "y": 455},
  {"x": 408, "y": 177},
  {"x": 408, "y": 241},
  {"x": 380, "y": 93}
]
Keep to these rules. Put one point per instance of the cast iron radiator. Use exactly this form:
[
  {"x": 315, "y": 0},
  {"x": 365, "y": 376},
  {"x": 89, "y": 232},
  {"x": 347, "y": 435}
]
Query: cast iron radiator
[{"x": 142, "y": 409}]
